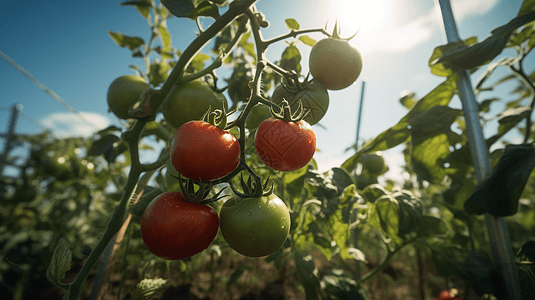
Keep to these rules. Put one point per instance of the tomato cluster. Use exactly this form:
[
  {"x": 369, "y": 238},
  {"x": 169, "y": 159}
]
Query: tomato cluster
[{"x": 175, "y": 225}]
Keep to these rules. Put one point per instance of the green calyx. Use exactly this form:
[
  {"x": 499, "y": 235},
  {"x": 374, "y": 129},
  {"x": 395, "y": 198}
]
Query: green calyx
[
  {"x": 199, "y": 196},
  {"x": 286, "y": 114},
  {"x": 253, "y": 188},
  {"x": 218, "y": 118},
  {"x": 336, "y": 33}
]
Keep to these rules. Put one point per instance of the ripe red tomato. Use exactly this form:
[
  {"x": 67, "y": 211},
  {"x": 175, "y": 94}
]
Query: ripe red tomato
[
  {"x": 173, "y": 228},
  {"x": 285, "y": 146},
  {"x": 201, "y": 150},
  {"x": 444, "y": 295},
  {"x": 255, "y": 226},
  {"x": 335, "y": 63}
]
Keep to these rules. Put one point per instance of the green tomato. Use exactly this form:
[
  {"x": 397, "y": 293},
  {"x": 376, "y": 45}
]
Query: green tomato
[
  {"x": 258, "y": 113},
  {"x": 314, "y": 97},
  {"x": 374, "y": 163},
  {"x": 189, "y": 102},
  {"x": 255, "y": 226},
  {"x": 124, "y": 92}
]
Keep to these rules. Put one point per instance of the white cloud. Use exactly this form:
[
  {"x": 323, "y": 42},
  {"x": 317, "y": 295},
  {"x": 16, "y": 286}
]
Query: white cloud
[{"x": 68, "y": 124}]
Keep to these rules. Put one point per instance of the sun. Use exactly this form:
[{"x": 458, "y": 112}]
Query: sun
[{"x": 363, "y": 15}]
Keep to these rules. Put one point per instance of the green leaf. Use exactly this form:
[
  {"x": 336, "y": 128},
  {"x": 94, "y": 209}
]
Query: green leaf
[
  {"x": 479, "y": 268},
  {"x": 60, "y": 263},
  {"x": 338, "y": 222},
  {"x": 179, "y": 8},
  {"x": 104, "y": 145},
  {"x": 527, "y": 6},
  {"x": 469, "y": 57},
  {"x": 385, "y": 216},
  {"x": 292, "y": 24},
  {"x": 123, "y": 40},
  {"x": 508, "y": 119},
  {"x": 498, "y": 193},
  {"x": 408, "y": 100},
  {"x": 148, "y": 287},
  {"x": 340, "y": 286},
  {"x": 357, "y": 255},
  {"x": 159, "y": 71},
  {"x": 307, "y": 272},
  {"x": 143, "y": 7},
  {"x": 294, "y": 183},
  {"x": 399, "y": 133},
  {"x": 373, "y": 192},
  {"x": 291, "y": 59},
  {"x": 165, "y": 36},
  {"x": 307, "y": 40},
  {"x": 440, "y": 69},
  {"x": 484, "y": 106},
  {"x": 197, "y": 63},
  {"x": 410, "y": 212},
  {"x": 205, "y": 9},
  {"x": 430, "y": 226}
]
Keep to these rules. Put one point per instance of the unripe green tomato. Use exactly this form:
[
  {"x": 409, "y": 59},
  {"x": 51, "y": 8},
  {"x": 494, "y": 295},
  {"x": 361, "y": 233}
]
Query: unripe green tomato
[
  {"x": 124, "y": 92},
  {"x": 374, "y": 163},
  {"x": 255, "y": 226},
  {"x": 258, "y": 113},
  {"x": 365, "y": 180},
  {"x": 314, "y": 97},
  {"x": 189, "y": 102}
]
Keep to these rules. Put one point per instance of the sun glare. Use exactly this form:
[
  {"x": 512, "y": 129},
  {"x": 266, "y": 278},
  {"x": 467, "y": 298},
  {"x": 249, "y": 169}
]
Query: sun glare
[{"x": 365, "y": 15}]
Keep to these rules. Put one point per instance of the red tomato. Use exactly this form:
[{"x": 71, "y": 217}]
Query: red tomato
[
  {"x": 201, "y": 150},
  {"x": 173, "y": 228},
  {"x": 444, "y": 295},
  {"x": 285, "y": 146}
]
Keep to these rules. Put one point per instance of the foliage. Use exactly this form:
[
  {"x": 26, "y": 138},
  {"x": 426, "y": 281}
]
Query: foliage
[{"x": 84, "y": 197}]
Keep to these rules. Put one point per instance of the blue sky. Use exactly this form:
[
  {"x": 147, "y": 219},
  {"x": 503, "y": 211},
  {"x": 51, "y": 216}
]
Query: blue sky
[{"x": 65, "y": 45}]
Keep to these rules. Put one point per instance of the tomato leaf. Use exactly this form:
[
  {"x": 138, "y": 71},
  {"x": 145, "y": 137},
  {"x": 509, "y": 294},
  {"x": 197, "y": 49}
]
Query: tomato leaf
[
  {"x": 429, "y": 226},
  {"x": 291, "y": 59},
  {"x": 307, "y": 40},
  {"x": 384, "y": 216},
  {"x": 338, "y": 285},
  {"x": 143, "y": 7},
  {"x": 158, "y": 72},
  {"x": 165, "y": 36},
  {"x": 469, "y": 57},
  {"x": 292, "y": 24},
  {"x": 498, "y": 193},
  {"x": 104, "y": 145},
  {"x": 148, "y": 287},
  {"x": 306, "y": 270},
  {"x": 60, "y": 263},
  {"x": 123, "y": 40},
  {"x": 191, "y": 8}
]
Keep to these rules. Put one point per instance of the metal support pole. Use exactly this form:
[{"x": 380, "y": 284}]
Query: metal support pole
[
  {"x": 360, "y": 113},
  {"x": 15, "y": 110},
  {"x": 502, "y": 251}
]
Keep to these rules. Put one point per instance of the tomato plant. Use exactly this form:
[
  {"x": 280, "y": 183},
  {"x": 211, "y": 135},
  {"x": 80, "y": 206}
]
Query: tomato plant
[
  {"x": 189, "y": 102},
  {"x": 203, "y": 151},
  {"x": 285, "y": 146},
  {"x": 255, "y": 226},
  {"x": 314, "y": 97},
  {"x": 173, "y": 228},
  {"x": 335, "y": 63},
  {"x": 124, "y": 92}
]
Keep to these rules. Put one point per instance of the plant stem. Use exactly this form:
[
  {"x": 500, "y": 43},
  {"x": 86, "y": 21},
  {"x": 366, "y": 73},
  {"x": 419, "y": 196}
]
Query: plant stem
[
  {"x": 117, "y": 219},
  {"x": 383, "y": 264}
]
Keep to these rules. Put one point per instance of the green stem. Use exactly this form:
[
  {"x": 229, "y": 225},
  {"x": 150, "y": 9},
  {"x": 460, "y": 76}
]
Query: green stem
[
  {"x": 528, "y": 83},
  {"x": 236, "y": 9},
  {"x": 116, "y": 221},
  {"x": 384, "y": 263}
]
